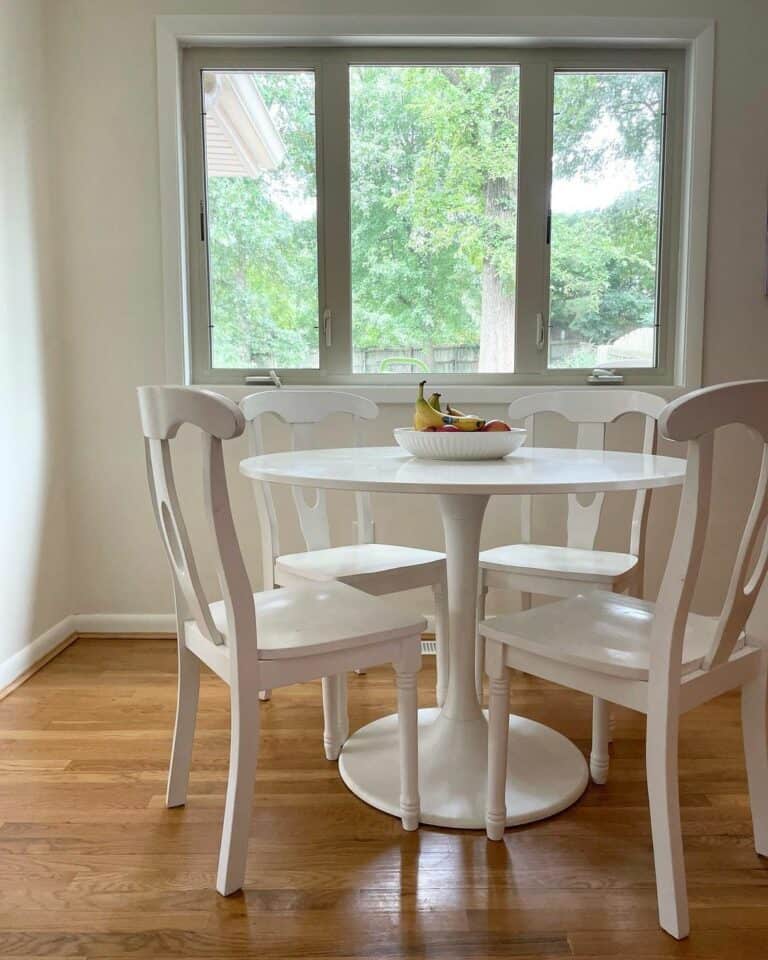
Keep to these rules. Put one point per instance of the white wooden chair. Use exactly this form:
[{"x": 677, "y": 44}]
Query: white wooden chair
[
  {"x": 376, "y": 568},
  {"x": 260, "y": 640},
  {"x": 562, "y": 571},
  {"x": 658, "y": 658}
]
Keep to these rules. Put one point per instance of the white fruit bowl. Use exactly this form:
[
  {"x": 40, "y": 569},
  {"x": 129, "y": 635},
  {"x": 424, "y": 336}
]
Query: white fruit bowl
[{"x": 465, "y": 445}]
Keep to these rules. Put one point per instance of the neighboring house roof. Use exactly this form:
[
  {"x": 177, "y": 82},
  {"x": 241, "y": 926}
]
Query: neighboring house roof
[{"x": 241, "y": 139}]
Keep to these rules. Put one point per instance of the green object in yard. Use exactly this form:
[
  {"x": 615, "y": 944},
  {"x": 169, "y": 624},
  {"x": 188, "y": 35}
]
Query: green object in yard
[{"x": 414, "y": 362}]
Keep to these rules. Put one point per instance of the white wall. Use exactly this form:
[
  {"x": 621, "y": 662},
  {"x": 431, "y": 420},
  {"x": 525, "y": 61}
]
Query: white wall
[
  {"x": 106, "y": 184},
  {"x": 34, "y": 553}
]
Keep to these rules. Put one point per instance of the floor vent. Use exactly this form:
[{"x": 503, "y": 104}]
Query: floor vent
[{"x": 428, "y": 648}]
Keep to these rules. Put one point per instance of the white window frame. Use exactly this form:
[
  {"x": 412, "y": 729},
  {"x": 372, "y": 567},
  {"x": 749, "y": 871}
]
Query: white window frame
[{"x": 695, "y": 37}]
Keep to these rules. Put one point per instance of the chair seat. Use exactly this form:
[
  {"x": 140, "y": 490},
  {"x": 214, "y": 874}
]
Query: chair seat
[
  {"x": 302, "y": 621},
  {"x": 565, "y": 563},
  {"x": 600, "y": 631},
  {"x": 356, "y": 560}
]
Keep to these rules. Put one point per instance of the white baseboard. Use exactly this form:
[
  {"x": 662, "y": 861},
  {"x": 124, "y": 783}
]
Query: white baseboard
[
  {"x": 21, "y": 661},
  {"x": 127, "y": 623},
  {"x": 119, "y": 623}
]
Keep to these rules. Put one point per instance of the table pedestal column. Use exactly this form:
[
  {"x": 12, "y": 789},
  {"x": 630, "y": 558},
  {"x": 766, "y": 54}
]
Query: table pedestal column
[{"x": 546, "y": 771}]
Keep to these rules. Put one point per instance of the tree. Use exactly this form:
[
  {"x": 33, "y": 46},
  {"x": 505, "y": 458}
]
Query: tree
[
  {"x": 263, "y": 244},
  {"x": 434, "y": 162},
  {"x": 434, "y": 214},
  {"x": 604, "y": 260}
]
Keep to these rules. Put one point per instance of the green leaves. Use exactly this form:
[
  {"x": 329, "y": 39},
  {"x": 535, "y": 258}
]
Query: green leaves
[
  {"x": 434, "y": 153},
  {"x": 426, "y": 143}
]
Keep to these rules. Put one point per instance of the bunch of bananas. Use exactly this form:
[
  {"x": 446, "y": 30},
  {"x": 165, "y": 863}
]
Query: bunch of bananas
[{"x": 428, "y": 415}]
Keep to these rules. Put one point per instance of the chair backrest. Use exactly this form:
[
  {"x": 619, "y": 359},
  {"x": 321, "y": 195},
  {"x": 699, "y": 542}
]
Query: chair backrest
[
  {"x": 303, "y": 410},
  {"x": 694, "y": 418},
  {"x": 592, "y": 410},
  {"x": 163, "y": 411}
]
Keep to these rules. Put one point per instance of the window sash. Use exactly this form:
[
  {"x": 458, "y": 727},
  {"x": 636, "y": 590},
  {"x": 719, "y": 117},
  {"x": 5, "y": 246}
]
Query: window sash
[{"x": 331, "y": 68}]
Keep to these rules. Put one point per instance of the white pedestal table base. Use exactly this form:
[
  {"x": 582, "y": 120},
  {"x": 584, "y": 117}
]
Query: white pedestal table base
[{"x": 546, "y": 772}]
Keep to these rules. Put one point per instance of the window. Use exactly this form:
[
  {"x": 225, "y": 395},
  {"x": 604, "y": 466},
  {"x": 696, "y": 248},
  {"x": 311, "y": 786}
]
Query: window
[
  {"x": 606, "y": 198},
  {"x": 433, "y": 187},
  {"x": 509, "y": 216},
  {"x": 261, "y": 191}
]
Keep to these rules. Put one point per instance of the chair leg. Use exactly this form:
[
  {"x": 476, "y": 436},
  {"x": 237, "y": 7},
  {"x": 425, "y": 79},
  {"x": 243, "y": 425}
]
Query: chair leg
[
  {"x": 343, "y": 726},
  {"x": 335, "y": 718},
  {"x": 598, "y": 758},
  {"x": 408, "y": 722},
  {"x": 755, "y": 733},
  {"x": 498, "y": 737},
  {"x": 238, "y": 809},
  {"x": 440, "y": 592},
  {"x": 188, "y": 690},
  {"x": 482, "y": 593},
  {"x": 664, "y": 801}
]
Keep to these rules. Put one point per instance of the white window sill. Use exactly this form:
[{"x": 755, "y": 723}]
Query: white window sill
[{"x": 403, "y": 394}]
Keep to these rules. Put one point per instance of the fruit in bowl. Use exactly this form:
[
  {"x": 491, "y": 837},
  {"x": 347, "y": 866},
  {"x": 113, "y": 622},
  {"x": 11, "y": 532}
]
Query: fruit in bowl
[
  {"x": 428, "y": 416},
  {"x": 451, "y": 434},
  {"x": 427, "y": 413}
]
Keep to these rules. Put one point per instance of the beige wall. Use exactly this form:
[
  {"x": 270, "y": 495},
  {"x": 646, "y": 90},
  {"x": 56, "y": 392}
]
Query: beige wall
[
  {"x": 106, "y": 183},
  {"x": 34, "y": 556}
]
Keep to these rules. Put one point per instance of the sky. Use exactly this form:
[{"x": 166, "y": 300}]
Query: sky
[{"x": 604, "y": 187}]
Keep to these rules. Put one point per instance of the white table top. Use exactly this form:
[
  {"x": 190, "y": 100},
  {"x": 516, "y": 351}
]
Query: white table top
[{"x": 528, "y": 470}]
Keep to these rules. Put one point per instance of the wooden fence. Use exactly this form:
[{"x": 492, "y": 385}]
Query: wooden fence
[{"x": 444, "y": 359}]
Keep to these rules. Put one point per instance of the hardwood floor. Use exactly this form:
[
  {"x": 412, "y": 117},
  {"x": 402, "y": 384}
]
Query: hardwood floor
[{"x": 93, "y": 865}]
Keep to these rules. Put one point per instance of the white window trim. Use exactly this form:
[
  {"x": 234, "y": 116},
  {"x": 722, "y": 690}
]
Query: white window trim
[{"x": 173, "y": 33}]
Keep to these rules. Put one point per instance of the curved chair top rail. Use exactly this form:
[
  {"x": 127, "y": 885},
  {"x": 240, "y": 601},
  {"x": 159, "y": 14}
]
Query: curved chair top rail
[
  {"x": 598, "y": 405},
  {"x": 165, "y": 409},
  {"x": 292, "y": 407},
  {"x": 701, "y": 412}
]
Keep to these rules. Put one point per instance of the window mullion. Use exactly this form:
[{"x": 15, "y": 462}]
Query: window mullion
[
  {"x": 334, "y": 218},
  {"x": 534, "y": 179}
]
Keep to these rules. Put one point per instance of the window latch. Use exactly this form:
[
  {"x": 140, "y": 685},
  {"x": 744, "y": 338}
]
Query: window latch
[
  {"x": 604, "y": 375},
  {"x": 328, "y": 326},
  {"x": 539, "y": 331}
]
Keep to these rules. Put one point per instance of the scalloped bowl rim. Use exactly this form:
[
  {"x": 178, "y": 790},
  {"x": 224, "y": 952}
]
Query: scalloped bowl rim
[{"x": 514, "y": 437}]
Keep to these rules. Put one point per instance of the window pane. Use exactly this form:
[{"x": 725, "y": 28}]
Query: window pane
[
  {"x": 434, "y": 216},
  {"x": 262, "y": 218},
  {"x": 606, "y": 193}
]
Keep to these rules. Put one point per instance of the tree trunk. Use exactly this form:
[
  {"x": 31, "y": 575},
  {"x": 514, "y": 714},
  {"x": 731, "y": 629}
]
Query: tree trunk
[{"x": 497, "y": 312}]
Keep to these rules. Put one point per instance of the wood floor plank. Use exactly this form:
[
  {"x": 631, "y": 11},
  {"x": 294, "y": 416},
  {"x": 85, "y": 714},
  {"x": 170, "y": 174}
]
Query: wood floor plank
[{"x": 92, "y": 864}]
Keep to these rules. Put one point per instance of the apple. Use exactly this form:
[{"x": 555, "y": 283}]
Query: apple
[
  {"x": 429, "y": 429},
  {"x": 493, "y": 426},
  {"x": 447, "y": 428}
]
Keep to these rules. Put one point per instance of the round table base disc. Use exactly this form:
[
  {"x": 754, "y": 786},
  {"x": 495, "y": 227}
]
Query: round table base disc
[{"x": 545, "y": 774}]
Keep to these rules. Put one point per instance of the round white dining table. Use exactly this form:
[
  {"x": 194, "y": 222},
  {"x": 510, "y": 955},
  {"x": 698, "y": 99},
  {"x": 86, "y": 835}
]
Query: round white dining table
[{"x": 546, "y": 772}]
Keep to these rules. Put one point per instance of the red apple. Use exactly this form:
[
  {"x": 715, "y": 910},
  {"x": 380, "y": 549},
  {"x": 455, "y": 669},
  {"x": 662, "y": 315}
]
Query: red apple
[
  {"x": 495, "y": 426},
  {"x": 448, "y": 428}
]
